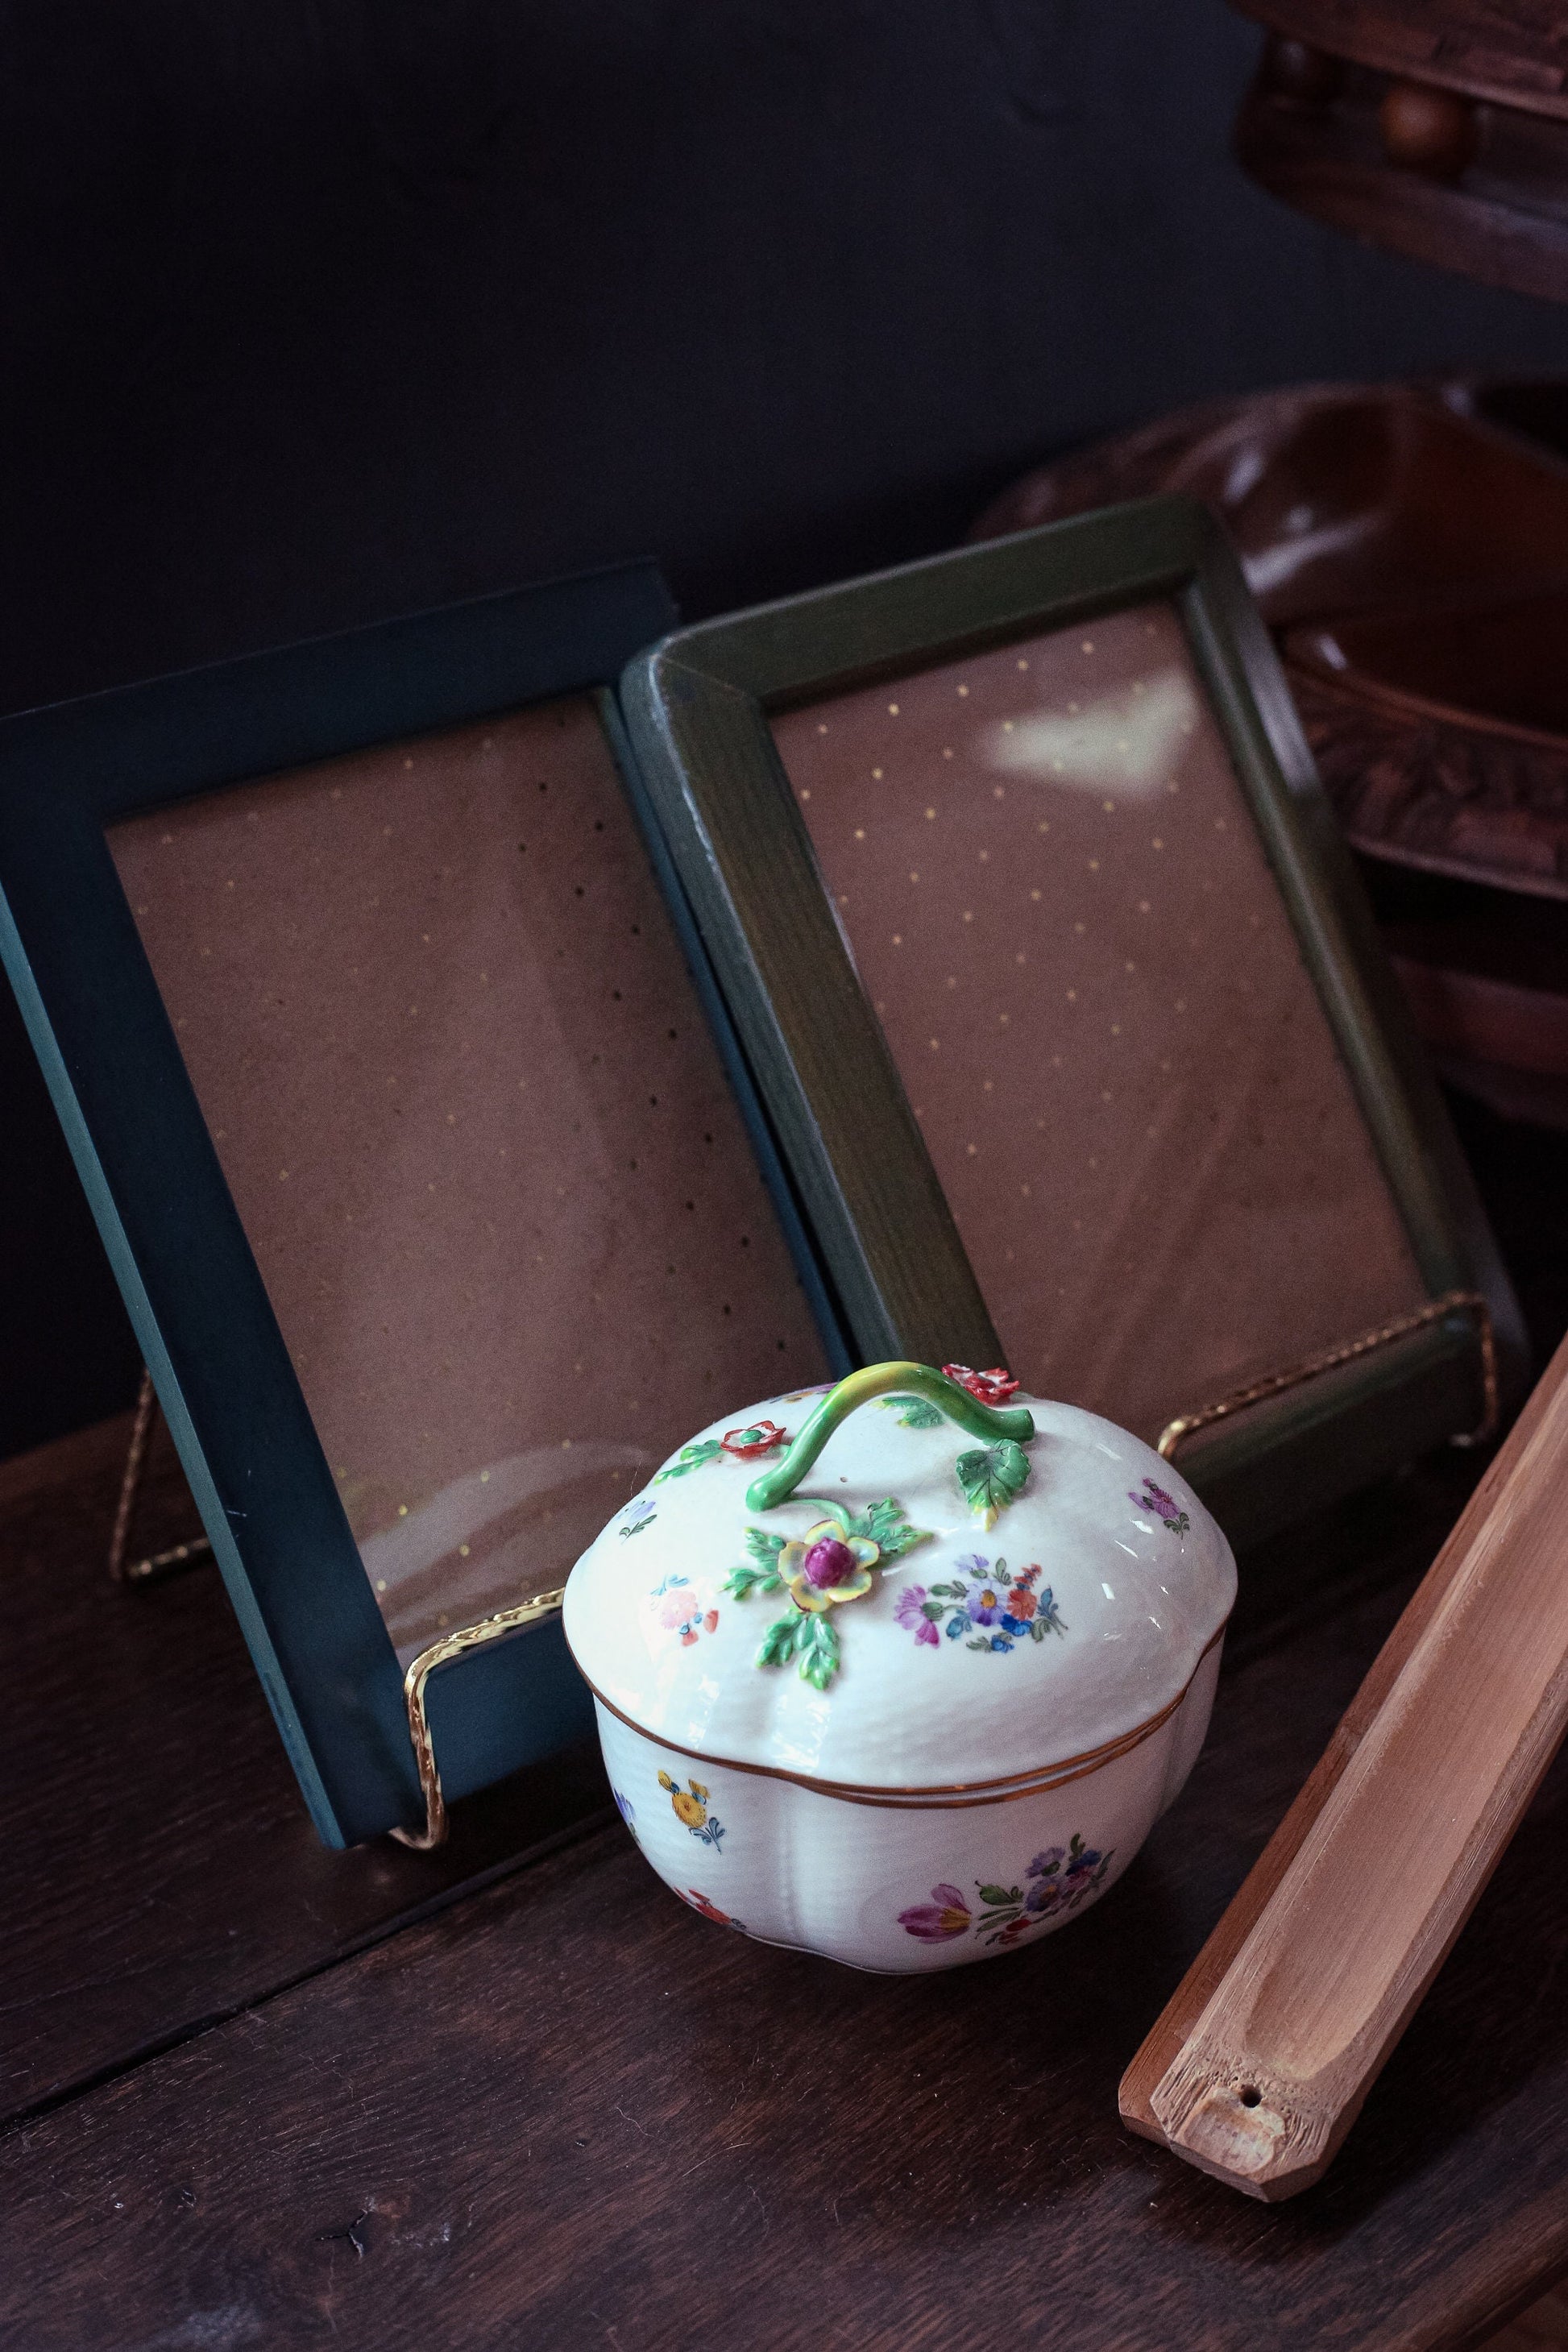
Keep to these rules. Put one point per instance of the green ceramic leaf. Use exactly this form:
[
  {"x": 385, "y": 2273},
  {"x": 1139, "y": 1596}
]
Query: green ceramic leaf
[
  {"x": 820, "y": 1662},
  {"x": 691, "y": 1457},
  {"x": 991, "y": 1475},
  {"x": 743, "y": 1582},
  {"x": 779, "y": 1642},
  {"x": 764, "y": 1546},
  {"x": 888, "y": 1528}
]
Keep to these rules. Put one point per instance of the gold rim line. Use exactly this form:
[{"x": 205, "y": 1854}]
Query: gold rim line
[
  {"x": 954, "y": 1795},
  {"x": 1453, "y": 1301},
  {"x": 420, "y": 1669}
]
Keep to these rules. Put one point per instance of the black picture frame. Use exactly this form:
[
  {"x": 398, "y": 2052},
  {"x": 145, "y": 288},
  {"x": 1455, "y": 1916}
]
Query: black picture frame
[
  {"x": 70, "y": 946},
  {"x": 699, "y": 707}
]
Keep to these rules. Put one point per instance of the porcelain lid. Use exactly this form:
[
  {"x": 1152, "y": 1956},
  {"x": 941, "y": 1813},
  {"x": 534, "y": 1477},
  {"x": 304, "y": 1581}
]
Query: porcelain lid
[{"x": 931, "y": 1605}]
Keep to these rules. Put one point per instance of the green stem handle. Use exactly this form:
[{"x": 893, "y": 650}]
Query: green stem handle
[{"x": 777, "y": 1485}]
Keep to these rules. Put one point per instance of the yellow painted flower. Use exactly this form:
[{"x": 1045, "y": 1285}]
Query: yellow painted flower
[
  {"x": 826, "y": 1567},
  {"x": 690, "y": 1809}
]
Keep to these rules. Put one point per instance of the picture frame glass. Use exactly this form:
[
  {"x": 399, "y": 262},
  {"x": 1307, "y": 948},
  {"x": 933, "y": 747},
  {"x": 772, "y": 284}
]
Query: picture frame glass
[
  {"x": 1050, "y": 879},
  {"x": 479, "y": 1136}
]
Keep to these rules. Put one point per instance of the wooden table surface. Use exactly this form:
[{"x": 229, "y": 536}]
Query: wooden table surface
[{"x": 260, "y": 2095}]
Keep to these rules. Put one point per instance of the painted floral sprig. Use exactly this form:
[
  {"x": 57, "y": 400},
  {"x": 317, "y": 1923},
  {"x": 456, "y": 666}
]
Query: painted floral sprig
[
  {"x": 985, "y": 1600},
  {"x": 821, "y": 1570},
  {"x": 1065, "y": 1877},
  {"x": 1164, "y": 1506}
]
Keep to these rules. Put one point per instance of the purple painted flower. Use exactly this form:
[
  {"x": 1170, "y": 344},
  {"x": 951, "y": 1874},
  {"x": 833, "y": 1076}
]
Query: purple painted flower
[
  {"x": 1045, "y": 1864},
  {"x": 985, "y": 1603},
  {"x": 910, "y": 1611},
  {"x": 1164, "y": 1507},
  {"x": 1081, "y": 1868},
  {"x": 937, "y": 1922}
]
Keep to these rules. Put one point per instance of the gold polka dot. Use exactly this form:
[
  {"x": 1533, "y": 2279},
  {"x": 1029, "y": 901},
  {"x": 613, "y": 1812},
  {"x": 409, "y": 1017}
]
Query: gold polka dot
[
  {"x": 1035, "y": 894},
  {"x": 947, "y": 751},
  {"x": 381, "y": 1584},
  {"x": 462, "y": 1551},
  {"x": 964, "y": 690},
  {"x": 1022, "y": 665},
  {"x": 969, "y": 914},
  {"x": 951, "y": 982},
  {"x": 1019, "y": 957},
  {"x": 1157, "y": 842},
  {"x": 822, "y": 725},
  {"x": 407, "y": 763},
  {"x": 1006, "y": 727},
  {"x": 1115, "y": 1028},
  {"x": 876, "y": 776},
  {"x": 1094, "y": 865},
  {"x": 806, "y": 792},
  {"x": 970, "y": 1150},
  {"x": 1087, "y": 645},
  {"x": 1002, "y": 1019},
  {"x": 1072, "y": 997},
  {"x": 402, "y": 1510},
  {"x": 859, "y": 833},
  {"x": 1128, "y": 967},
  {"x": 1079, "y": 928},
  {"x": 1142, "y": 906},
  {"x": 1043, "y": 826},
  {"x": 892, "y": 710},
  {"x": 914, "y": 877},
  {"x": 898, "y": 939},
  {"x": 1110, "y": 807},
  {"x": 936, "y": 1044},
  {"x": 930, "y": 813}
]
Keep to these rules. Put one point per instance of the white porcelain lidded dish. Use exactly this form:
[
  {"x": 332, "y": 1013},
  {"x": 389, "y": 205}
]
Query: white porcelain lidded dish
[{"x": 902, "y": 1670}]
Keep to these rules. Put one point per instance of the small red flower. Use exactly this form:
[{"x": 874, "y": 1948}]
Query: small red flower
[
  {"x": 710, "y": 1621},
  {"x": 709, "y": 1910},
  {"x": 759, "y": 1437},
  {"x": 993, "y": 1387}
]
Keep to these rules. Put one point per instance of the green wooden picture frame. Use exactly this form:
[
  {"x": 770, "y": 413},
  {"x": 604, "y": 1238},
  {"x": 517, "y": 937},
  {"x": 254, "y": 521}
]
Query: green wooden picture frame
[{"x": 700, "y": 708}]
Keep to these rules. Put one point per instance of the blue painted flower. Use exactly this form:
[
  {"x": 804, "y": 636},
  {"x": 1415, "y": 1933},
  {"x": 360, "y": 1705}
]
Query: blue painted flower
[
  {"x": 955, "y": 1626},
  {"x": 1000, "y": 1640}
]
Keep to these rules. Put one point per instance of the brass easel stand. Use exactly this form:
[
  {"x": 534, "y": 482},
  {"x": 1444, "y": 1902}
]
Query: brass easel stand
[{"x": 158, "y": 1564}]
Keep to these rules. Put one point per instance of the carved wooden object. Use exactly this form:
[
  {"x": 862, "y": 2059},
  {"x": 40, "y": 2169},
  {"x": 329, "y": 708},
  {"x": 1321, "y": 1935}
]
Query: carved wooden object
[{"x": 1260, "y": 2063}]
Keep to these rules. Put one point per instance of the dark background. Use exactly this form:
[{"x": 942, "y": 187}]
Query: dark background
[{"x": 317, "y": 310}]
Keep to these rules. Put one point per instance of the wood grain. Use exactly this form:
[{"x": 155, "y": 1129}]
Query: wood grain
[
  {"x": 567, "y": 2109},
  {"x": 171, "y": 1876},
  {"x": 1273, "y": 2072},
  {"x": 570, "y": 2111}
]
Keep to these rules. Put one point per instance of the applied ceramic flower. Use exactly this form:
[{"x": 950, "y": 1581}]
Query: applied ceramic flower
[{"x": 808, "y": 1667}]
